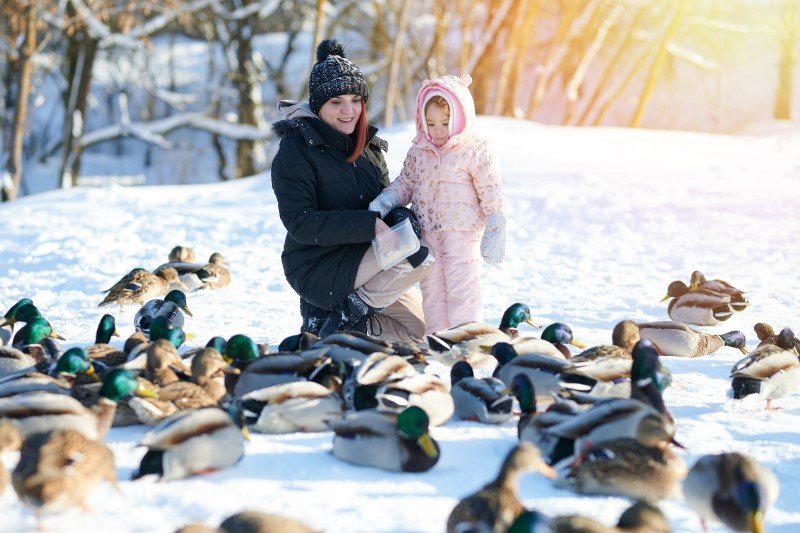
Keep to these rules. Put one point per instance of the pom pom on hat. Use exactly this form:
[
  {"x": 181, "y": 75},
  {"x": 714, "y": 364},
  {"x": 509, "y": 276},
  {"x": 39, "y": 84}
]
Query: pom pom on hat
[
  {"x": 329, "y": 47},
  {"x": 333, "y": 75}
]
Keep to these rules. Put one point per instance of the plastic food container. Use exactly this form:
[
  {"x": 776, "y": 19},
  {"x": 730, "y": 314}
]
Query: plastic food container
[{"x": 394, "y": 245}]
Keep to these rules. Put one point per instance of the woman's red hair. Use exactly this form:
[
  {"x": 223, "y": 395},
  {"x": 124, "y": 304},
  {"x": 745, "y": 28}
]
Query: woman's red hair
[{"x": 361, "y": 135}]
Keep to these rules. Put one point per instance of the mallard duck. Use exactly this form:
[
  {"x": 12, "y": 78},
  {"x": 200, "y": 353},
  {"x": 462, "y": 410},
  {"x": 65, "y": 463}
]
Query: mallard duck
[
  {"x": 182, "y": 254},
  {"x": 206, "y": 389},
  {"x": 217, "y": 343},
  {"x": 368, "y": 345},
  {"x": 38, "y": 411},
  {"x": 161, "y": 357},
  {"x": 398, "y": 443},
  {"x": 731, "y": 488},
  {"x": 786, "y": 339},
  {"x": 34, "y": 347},
  {"x": 101, "y": 350},
  {"x": 701, "y": 307},
  {"x": 769, "y": 370},
  {"x": 486, "y": 400},
  {"x": 57, "y": 470},
  {"x": 606, "y": 368},
  {"x": 10, "y": 316},
  {"x": 698, "y": 282},
  {"x": 624, "y": 467},
  {"x": 195, "y": 276},
  {"x": 193, "y": 442},
  {"x": 679, "y": 340},
  {"x": 423, "y": 390},
  {"x": 290, "y": 407},
  {"x": 275, "y": 369},
  {"x": 560, "y": 336},
  {"x": 495, "y": 506},
  {"x": 451, "y": 344},
  {"x": 171, "y": 307},
  {"x": 253, "y": 522},
  {"x": 360, "y": 387},
  {"x": 140, "y": 286},
  {"x": 543, "y": 370}
]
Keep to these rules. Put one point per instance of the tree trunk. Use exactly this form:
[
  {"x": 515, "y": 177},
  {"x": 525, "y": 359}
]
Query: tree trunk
[
  {"x": 394, "y": 64},
  {"x": 652, "y": 77},
  {"x": 250, "y": 154},
  {"x": 575, "y": 84},
  {"x": 572, "y": 25},
  {"x": 13, "y": 177},
  {"x": 512, "y": 105},
  {"x": 612, "y": 67},
  {"x": 511, "y": 50},
  {"x": 81, "y": 50},
  {"x": 783, "y": 98},
  {"x": 319, "y": 29},
  {"x": 467, "y": 17}
]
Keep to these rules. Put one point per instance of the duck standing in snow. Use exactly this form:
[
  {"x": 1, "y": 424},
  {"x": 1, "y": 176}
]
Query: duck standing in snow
[
  {"x": 172, "y": 307},
  {"x": 769, "y": 370}
]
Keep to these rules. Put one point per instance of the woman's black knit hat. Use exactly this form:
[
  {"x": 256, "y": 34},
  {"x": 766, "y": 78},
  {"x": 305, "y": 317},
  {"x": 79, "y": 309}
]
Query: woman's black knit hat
[{"x": 333, "y": 75}]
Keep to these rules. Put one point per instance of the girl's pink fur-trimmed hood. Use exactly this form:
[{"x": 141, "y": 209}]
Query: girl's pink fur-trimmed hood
[{"x": 462, "y": 107}]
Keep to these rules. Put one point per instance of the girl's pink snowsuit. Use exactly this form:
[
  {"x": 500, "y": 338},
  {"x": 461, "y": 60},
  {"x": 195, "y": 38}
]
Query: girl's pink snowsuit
[{"x": 452, "y": 189}]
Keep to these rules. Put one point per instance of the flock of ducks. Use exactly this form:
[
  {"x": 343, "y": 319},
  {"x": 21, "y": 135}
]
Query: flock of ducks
[{"x": 594, "y": 421}]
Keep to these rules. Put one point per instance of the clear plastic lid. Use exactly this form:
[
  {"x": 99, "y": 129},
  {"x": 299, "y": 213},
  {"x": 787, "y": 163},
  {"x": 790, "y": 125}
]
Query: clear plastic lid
[{"x": 394, "y": 245}]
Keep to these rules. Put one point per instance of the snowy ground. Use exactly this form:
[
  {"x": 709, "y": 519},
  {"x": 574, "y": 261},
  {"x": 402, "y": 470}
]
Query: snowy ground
[{"x": 600, "y": 221}]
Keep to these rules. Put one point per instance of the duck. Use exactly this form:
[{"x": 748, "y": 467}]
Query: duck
[
  {"x": 34, "y": 348},
  {"x": 10, "y": 316},
  {"x": 769, "y": 370},
  {"x": 624, "y": 467},
  {"x": 367, "y": 345},
  {"x": 196, "y": 276},
  {"x": 543, "y": 371},
  {"x": 101, "y": 350},
  {"x": 786, "y": 339},
  {"x": 193, "y": 442},
  {"x": 451, "y": 344},
  {"x": 217, "y": 343},
  {"x": 255, "y": 522},
  {"x": 699, "y": 282},
  {"x": 269, "y": 370},
  {"x": 485, "y": 400},
  {"x": 394, "y": 442},
  {"x": 298, "y": 406},
  {"x": 560, "y": 336},
  {"x": 38, "y": 411},
  {"x": 424, "y": 390},
  {"x": 58, "y": 470},
  {"x": 360, "y": 387},
  {"x": 700, "y": 308},
  {"x": 140, "y": 286},
  {"x": 497, "y": 505},
  {"x": 606, "y": 367},
  {"x": 173, "y": 306},
  {"x": 182, "y": 253},
  {"x": 207, "y": 389},
  {"x": 732, "y": 488},
  {"x": 676, "y": 339},
  {"x": 642, "y": 417}
]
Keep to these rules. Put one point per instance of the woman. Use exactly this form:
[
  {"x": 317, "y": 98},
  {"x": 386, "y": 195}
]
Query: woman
[{"x": 329, "y": 167}]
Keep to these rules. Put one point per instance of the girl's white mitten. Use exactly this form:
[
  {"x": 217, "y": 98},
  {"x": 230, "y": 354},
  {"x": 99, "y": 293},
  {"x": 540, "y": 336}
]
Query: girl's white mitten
[
  {"x": 493, "y": 243},
  {"x": 384, "y": 202}
]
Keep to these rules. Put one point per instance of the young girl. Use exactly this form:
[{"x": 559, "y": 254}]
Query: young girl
[{"x": 451, "y": 179}]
